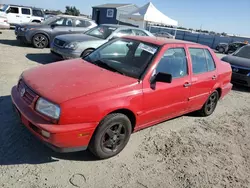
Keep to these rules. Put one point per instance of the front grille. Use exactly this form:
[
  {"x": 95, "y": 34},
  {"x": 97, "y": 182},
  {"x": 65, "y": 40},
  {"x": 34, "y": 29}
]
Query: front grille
[
  {"x": 59, "y": 42},
  {"x": 240, "y": 70},
  {"x": 26, "y": 93}
]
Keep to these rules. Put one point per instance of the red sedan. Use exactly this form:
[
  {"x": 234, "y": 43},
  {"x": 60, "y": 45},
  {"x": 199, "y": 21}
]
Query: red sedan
[{"x": 125, "y": 85}]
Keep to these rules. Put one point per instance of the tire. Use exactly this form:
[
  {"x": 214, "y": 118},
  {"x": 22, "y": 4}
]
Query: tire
[
  {"x": 40, "y": 41},
  {"x": 111, "y": 136},
  {"x": 87, "y": 52},
  {"x": 221, "y": 50},
  {"x": 36, "y": 21},
  {"x": 210, "y": 105}
]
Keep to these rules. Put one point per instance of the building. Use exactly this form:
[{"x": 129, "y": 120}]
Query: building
[{"x": 108, "y": 13}]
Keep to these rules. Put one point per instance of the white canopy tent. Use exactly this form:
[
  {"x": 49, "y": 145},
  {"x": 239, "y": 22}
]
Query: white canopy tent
[{"x": 147, "y": 14}]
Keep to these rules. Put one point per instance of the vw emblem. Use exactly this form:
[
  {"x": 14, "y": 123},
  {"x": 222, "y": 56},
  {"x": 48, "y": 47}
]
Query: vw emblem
[
  {"x": 235, "y": 69},
  {"x": 22, "y": 92}
]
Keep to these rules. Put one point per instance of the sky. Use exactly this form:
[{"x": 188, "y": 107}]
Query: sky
[{"x": 228, "y": 16}]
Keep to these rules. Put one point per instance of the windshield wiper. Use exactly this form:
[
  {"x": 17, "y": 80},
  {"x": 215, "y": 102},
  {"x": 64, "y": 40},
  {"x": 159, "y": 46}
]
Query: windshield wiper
[{"x": 106, "y": 65}]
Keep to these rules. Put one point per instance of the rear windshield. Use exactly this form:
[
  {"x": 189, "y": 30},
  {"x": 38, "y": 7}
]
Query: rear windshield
[
  {"x": 243, "y": 52},
  {"x": 101, "y": 32}
]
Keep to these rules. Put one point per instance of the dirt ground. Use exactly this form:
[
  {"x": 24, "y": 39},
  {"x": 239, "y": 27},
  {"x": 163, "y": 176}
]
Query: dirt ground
[{"x": 186, "y": 152}]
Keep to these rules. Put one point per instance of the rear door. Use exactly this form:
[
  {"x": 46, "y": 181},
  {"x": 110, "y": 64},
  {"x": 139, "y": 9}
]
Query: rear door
[
  {"x": 25, "y": 15},
  {"x": 204, "y": 77},
  {"x": 168, "y": 99},
  {"x": 13, "y": 15}
]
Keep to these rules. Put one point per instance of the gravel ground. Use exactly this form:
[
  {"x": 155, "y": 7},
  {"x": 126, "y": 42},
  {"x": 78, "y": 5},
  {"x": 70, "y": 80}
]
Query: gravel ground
[{"x": 187, "y": 152}]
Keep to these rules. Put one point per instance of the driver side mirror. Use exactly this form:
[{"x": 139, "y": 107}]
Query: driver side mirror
[
  {"x": 160, "y": 77},
  {"x": 53, "y": 25}
]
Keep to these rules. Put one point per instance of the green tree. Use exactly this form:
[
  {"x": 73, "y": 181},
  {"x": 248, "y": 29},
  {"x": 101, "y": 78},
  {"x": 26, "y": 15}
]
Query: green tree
[{"x": 72, "y": 11}]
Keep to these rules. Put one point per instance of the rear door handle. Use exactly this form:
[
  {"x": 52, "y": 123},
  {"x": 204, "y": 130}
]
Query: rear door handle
[
  {"x": 187, "y": 84},
  {"x": 214, "y": 77}
]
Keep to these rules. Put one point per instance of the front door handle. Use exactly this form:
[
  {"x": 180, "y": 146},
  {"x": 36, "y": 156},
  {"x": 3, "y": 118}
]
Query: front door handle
[
  {"x": 214, "y": 77},
  {"x": 187, "y": 84}
]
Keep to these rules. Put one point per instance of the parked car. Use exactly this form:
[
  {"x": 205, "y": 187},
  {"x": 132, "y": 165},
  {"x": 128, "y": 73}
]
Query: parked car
[
  {"x": 40, "y": 35},
  {"x": 74, "y": 46},
  {"x": 229, "y": 48},
  {"x": 164, "y": 35},
  {"x": 4, "y": 23},
  {"x": 98, "y": 101},
  {"x": 17, "y": 14},
  {"x": 240, "y": 63}
]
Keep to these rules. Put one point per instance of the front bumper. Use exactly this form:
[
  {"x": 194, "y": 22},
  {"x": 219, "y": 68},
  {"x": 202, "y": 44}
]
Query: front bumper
[
  {"x": 241, "y": 79},
  {"x": 63, "y": 138},
  {"x": 64, "y": 53}
]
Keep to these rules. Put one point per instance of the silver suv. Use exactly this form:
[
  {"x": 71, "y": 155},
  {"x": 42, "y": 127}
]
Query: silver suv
[{"x": 41, "y": 35}]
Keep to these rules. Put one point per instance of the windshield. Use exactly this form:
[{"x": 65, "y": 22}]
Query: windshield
[
  {"x": 124, "y": 56},
  {"x": 243, "y": 52},
  {"x": 51, "y": 20},
  {"x": 101, "y": 32},
  {"x": 4, "y": 8}
]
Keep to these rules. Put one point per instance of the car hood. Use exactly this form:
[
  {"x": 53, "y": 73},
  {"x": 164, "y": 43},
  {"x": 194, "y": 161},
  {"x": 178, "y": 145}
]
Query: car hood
[
  {"x": 78, "y": 38},
  {"x": 33, "y": 25},
  {"x": 238, "y": 61},
  {"x": 65, "y": 80}
]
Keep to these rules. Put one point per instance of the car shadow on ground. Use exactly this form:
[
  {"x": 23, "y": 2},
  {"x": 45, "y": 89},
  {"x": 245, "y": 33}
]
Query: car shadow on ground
[
  {"x": 241, "y": 88},
  {"x": 13, "y": 43},
  {"x": 43, "y": 58},
  {"x": 19, "y": 146}
]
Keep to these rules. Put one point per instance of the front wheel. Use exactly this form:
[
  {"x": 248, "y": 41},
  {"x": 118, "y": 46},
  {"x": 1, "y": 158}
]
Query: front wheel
[
  {"x": 111, "y": 136},
  {"x": 210, "y": 105},
  {"x": 40, "y": 41},
  {"x": 221, "y": 50},
  {"x": 86, "y": 52}
]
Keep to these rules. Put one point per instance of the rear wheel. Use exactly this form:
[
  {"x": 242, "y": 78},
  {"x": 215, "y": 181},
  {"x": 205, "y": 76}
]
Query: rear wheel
[
  {"x": 111, "y": 136},
  {"x": 40, "y": 41},
  {"x": 210, "y": 105}
]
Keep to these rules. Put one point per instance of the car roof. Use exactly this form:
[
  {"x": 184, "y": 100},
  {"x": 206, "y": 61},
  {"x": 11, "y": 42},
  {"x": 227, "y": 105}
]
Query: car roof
[
  {"x": 121, "y": 26},
  {"x": 160, "y": 41},
  {"x": 22, "y": 6},
  {"x": 70, "y": 16}
]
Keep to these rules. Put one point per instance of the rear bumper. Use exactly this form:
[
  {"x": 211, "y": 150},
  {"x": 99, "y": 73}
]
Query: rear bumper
[
  {"x": 226, "y": 89},
  {"x": 241, "y": 79},
  {"x": 62, "y": 138}
]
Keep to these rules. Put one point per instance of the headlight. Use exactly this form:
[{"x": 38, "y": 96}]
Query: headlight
[
  {"x": 47, "y": 108},
  {"x": 72, "y": 45},
  {"x": 248, "y": 74}
]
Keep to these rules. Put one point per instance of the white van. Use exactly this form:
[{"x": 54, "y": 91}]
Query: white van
[{"x": 21, "y": 14}]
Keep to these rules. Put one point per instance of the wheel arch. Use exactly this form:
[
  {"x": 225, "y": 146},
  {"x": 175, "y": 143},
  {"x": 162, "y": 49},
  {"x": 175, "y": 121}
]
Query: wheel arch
[
  {"x": 36, "y": 21},
  {"x": 86, "y": 50}
]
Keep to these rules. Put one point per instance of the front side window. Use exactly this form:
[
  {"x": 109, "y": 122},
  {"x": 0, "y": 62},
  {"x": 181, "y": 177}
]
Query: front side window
[
  {"x": 102, "y": 32},
  {"x": 173, "y": 62},
  {"x": 14, "y": 10},
  {"x": 199, "y": 61},
  {"x": 139, "y": 32},
  {"x": 26, "y": 11},
  {"x": 120, "y": 56},
  {"x": 64, "y": 22}
]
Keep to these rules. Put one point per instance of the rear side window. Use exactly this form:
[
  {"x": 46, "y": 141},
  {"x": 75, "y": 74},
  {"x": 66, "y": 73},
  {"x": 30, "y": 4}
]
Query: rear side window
[
  {"x": 37, "y": 13},
  {"x": 124, "y": 32},
  {"x": 202, "y": 60},
  {"x": 14, "y": 10},
  {"x": 210, "y": 60},
  {"x": 174, "y": 62},
  {"x": 26, "y": 11},
  {"x": 82, "y": 23}
]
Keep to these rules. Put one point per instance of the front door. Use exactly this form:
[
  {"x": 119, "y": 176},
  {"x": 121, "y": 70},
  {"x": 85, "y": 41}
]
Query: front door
[
  {"x": 13, "y": 15},
  {"x": 204, "y": 76},
  {"x": 167, "y": 100},
  {"x": 62, "y": 26}
]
